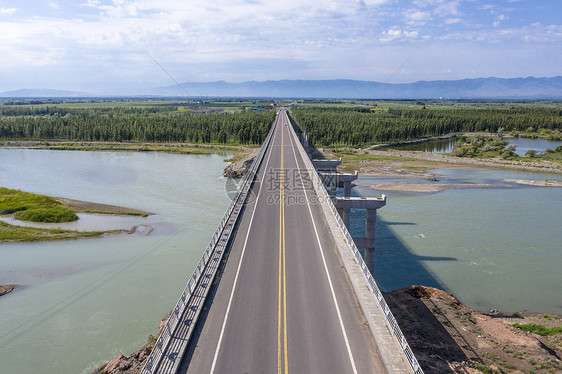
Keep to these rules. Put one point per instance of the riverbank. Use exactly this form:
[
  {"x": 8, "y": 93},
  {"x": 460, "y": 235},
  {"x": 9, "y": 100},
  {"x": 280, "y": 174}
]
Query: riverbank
[
  {"x": 88, "y": 207},
  {"x": 180, "y": 148},
  {"x": 438, "y": 187},
  {"x": 446, "y": 337},
  {"x": 416, "y": 164}
]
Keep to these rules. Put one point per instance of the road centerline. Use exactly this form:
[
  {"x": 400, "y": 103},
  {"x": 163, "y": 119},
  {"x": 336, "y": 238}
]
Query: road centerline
[
  {"x": 320, "y": 248},
  {"x": 282, "y": 351}
]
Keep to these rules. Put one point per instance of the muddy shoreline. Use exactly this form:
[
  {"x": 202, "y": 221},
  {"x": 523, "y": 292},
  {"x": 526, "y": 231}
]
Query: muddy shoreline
[{"x": 88, "y": 207}]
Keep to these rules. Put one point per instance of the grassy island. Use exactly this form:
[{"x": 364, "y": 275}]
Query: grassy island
[
  {"x": 26, "y": 206},
  {"x": 35, "y": 208}
]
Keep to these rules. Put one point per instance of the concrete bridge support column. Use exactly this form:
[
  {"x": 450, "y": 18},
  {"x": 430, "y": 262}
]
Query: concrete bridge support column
[
  {"x": 370, "y": 238},
  {"x": 346, "y": 217},
  {"x": 347, "y": 189},
  {"x": 344, "y": 204}
]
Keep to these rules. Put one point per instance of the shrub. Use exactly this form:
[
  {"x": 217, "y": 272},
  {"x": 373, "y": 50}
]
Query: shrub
[
  {"x": 51, "y": 215},
  {"x": 531, "y": 153}
]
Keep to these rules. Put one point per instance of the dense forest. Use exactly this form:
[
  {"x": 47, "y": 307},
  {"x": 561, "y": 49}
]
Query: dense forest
[
  {"x": 134, "y": 124},
  {"x": 332, "y": 126}
]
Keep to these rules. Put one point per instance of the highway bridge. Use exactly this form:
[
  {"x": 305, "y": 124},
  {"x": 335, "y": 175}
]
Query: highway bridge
[{"x": 281, "y": 287}]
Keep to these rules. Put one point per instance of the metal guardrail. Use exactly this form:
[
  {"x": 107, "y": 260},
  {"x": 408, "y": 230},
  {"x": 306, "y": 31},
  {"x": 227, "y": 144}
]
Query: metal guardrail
[
  {"x": 321, "y": 191},
  {"x": 157, "y": 355}
]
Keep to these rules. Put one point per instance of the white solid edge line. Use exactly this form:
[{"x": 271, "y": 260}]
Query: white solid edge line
[
  {"x": 239, "y": 266},
  {"x": 326, "y": 268}
]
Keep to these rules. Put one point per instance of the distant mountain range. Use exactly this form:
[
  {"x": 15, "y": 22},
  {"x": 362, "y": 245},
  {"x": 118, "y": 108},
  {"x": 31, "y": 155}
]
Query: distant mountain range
[{"x": 479, "y": 88}]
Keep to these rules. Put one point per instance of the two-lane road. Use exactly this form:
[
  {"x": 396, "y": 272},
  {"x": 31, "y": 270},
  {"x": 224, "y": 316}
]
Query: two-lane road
[{"x": 284, "y": 302}]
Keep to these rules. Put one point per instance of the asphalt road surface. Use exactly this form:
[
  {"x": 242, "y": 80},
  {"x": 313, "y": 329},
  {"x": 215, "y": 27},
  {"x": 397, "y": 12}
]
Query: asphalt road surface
[{"x": 284, "y": 302}]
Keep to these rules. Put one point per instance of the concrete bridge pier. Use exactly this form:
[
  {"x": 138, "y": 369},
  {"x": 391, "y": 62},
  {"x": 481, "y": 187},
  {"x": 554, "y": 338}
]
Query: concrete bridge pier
[
  {"x": 343, "y": 205},
  {"x": 370, "y": 238},
  {"x": 330, "y": 166},
  {"x": 334, "y": 179}
]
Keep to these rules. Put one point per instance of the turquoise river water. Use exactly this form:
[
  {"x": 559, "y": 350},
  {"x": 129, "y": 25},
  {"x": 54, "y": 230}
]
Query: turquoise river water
[
  {"x": 82, "y": 302},
  {"x": 446, "y": 146}
]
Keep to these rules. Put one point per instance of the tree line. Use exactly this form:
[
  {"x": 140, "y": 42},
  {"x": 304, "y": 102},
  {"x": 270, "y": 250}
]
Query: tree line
[
  {"x": 134, "y": 124},
  {"x": 333, "y": 126}
]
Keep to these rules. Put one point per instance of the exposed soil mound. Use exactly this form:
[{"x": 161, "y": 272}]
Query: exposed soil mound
[{"x": 448, "y": 337}]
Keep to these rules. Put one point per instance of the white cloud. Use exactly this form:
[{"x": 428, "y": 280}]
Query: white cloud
[
  {"x": 497, "y": 22},
  {"x": 452, "y": 21},
  {"x": 418, "y": 16},
  {"x": 242, "y": 39},
  {"x": 448, "y": 9},
  {"x": 395, "y": 34},
  {"x": 8, "y": 10},
  {"x": 54, "y": 5}
]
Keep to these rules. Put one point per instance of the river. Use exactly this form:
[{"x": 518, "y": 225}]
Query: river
[
  {"x": 446, "y": 146},
  {"x": 85, "y": 301},
  {"x": 493, "y": 248}
]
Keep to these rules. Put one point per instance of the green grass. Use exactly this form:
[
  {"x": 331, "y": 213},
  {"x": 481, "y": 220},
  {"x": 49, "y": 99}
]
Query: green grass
[
  {"x": 547, "y": 316},
  {"x": 51, "y": 215},
  {"x": 31, "y": 207},
  {"x": 13, "y": 234},
  {"x": 539, "y": 329}
]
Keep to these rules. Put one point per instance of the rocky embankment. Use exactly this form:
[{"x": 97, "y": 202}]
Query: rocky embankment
[
  {"x": 446, "y": 337},
  {"x": 237, "y": 169},
  {"x": 133, "y": 363}
]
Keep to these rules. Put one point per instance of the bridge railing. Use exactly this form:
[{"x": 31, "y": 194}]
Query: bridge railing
[
  {"x": 157, "y": 354},
  {"x": 323, "y": 195}
]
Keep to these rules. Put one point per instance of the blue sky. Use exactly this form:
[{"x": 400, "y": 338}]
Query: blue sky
[{"x": 103, "y": 46}]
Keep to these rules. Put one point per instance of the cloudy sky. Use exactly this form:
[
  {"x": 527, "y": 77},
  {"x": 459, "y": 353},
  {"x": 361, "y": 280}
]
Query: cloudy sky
[{"x": 105, "y": 46}]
